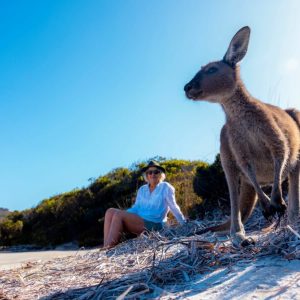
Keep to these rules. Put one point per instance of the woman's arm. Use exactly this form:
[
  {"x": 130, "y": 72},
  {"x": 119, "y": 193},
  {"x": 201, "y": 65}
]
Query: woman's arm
[
  {"x": 174, "y": 208},
  {"x": 135, "y": 207}
]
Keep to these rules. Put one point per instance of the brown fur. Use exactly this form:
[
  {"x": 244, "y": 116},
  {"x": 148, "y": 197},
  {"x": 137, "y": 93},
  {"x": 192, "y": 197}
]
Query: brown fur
[{"x": 260, "y": 143}]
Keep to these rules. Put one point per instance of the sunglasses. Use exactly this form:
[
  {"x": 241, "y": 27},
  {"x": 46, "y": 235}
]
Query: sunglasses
[{"x": 155, "y": 172}]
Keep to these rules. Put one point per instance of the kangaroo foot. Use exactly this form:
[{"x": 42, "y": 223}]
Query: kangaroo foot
[
  {"x": 268, "y": 211},
  {"x": 273, "y": 211},
  {"x": 269, "y": 214},
  {"x": 248, "y": 242},
  {"x": 240, "y": 240},
  {"x": 279, "y": 207}
]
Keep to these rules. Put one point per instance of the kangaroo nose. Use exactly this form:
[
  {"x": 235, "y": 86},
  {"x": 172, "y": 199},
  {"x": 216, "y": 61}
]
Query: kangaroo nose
[{"x": 187, "y": 87}]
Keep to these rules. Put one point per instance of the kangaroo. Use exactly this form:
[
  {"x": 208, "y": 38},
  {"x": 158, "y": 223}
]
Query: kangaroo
[{"x": 260, "y": 143}]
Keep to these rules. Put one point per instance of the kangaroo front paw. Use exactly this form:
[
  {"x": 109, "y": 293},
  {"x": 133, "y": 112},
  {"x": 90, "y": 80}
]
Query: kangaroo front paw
[
  {"x": 268, "y": 212},
  {"x": 279, "y": 207},
  {"x": 274, "y": 209}
]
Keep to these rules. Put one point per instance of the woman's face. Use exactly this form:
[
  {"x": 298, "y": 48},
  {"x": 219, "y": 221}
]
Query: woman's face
[{"x": 153, "y": 175}]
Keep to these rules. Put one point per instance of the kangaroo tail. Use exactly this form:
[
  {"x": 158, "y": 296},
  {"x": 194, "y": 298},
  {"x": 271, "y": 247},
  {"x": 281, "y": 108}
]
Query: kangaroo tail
[{"x": 295, "y": 115}]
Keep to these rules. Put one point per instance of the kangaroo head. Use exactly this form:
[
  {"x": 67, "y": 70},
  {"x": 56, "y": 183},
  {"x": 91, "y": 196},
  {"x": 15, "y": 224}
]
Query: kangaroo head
[{"x": 218, "y": 80}]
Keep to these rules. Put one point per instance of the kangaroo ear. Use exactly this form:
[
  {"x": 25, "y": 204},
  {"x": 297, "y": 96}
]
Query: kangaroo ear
[{"x": 238, "y": 46}]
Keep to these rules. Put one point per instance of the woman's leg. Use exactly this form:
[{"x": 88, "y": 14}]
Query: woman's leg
[
  {"x": 107, "y": 222},
  {"x": 120, "y": 222}
]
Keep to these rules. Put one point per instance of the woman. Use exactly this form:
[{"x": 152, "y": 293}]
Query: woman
[{"x": 153, "y": 202}]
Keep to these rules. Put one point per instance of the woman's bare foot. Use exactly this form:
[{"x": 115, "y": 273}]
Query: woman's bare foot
[{"x": 103, "y": 248}]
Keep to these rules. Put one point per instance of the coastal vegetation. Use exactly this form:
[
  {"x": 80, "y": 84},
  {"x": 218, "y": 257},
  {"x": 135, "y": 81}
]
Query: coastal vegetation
[
  {"x": 78, "y": 215},
  {"x": 3, "y": 212}
]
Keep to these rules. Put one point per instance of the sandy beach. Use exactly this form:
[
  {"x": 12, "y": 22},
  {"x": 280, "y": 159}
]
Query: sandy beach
[
  {"x": 266, "y": 278},
  {"x": 9, "y": 260},
  {"x": 169, "y": 265}
]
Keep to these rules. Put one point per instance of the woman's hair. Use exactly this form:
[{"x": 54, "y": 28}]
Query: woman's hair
[{"x": 162, "y": 177}]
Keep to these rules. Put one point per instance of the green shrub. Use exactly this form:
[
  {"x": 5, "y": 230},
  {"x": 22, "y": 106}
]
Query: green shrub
[
  {"x": 78, "y": 215},
  {"x": 210, "y": 184},
  {"x": 10, "y": 231}
]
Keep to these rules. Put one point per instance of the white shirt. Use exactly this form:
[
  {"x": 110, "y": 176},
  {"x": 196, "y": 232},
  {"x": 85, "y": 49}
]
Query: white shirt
[{"x": 155, "y": 206}]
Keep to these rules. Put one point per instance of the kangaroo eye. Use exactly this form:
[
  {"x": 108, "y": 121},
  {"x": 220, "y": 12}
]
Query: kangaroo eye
[{"x": 212, "y": 70}]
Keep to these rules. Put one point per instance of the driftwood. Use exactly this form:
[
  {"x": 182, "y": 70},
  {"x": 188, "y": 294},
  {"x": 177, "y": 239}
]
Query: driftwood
[{"x": 153, "y": 265}]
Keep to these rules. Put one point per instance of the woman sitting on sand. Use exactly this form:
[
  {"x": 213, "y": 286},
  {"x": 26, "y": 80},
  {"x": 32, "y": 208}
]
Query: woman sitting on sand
[{"x": 153, "y": 202}]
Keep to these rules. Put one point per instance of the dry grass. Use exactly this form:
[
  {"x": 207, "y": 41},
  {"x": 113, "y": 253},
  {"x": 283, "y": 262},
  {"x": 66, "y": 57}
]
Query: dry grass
[{"x": 149, "y": 266}]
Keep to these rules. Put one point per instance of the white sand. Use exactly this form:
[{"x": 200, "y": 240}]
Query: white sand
[
  {"x": 9, "y": 260},
  {"x": 267, "y": 278}
]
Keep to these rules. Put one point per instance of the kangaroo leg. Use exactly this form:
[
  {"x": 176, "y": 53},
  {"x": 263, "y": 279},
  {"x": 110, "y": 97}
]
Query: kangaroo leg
[
  {"x": 294, "y": 178},
  {"x": 265, "y": 202},
  {"x": 237, "y": 207},
  {"x": 277, "y": 202},
  {"x": 235, "y": 223},
  {"x": 232, "y": 174},
  {"x": 242, "y": 156},
  {"x": 247, "y": 201},
  {"x": 294, "y": 197},
  {"x": 248, "y": 198},
  {"x": 279, "y": 149}
]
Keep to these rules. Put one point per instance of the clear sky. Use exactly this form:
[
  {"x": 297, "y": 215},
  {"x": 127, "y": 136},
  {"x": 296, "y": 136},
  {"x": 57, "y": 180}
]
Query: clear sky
[{"x": 89, "y": 86}]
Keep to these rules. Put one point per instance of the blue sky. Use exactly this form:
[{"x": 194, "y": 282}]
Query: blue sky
[{"x": 89, "y": 86}]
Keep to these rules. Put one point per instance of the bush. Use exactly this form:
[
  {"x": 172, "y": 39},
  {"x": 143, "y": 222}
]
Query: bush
[
  {"x": 10, "y": 231},
  {"x": 78, "y": 215},
  {"x": 210, "y": 184}
]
